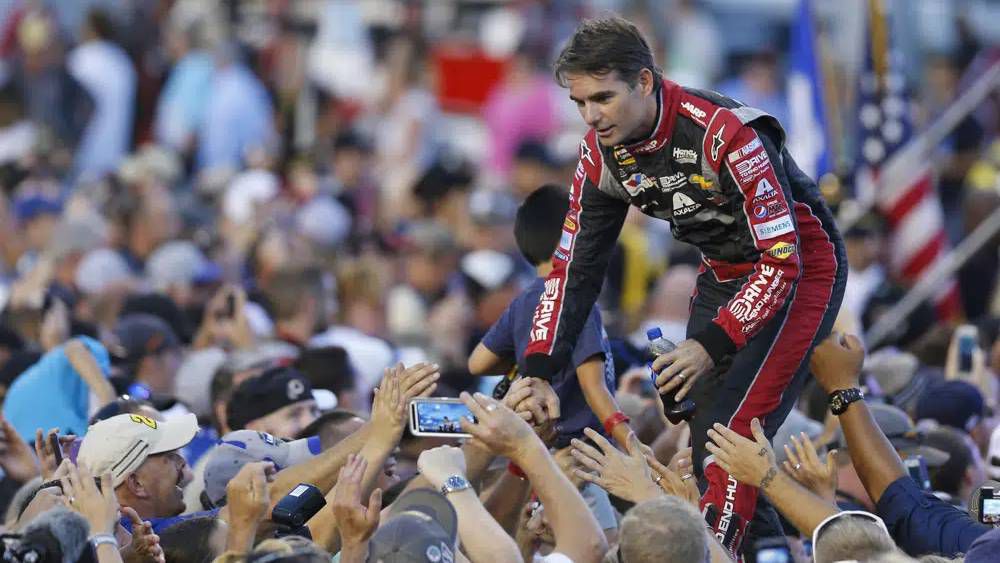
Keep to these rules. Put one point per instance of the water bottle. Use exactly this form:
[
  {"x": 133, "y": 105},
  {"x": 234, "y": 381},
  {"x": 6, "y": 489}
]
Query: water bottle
[{"x": 674, "y": 411}]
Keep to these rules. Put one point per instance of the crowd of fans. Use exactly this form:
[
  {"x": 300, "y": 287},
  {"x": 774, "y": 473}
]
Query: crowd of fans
[{"x": 237, "y": 239}]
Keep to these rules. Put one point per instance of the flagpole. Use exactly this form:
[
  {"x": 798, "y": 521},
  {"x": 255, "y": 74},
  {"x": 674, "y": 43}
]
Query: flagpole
[{"x": 902, "y": 164}]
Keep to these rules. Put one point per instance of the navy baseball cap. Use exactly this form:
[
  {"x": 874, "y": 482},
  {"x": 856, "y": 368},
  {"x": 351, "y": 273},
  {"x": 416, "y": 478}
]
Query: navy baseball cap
[
  {"x": 954, "y": 403},
  {"x": 30, "y": 207}
]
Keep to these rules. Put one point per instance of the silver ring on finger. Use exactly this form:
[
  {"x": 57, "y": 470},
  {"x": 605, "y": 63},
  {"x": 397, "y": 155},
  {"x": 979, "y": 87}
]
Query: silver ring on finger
[
  {"x": 798, "y": 466},
  {"x": 686, "y": 476},
  {"x": 658, "y": 479},
  {"x": 682, "y": 376},
  {"x": 491, "y": 408}
]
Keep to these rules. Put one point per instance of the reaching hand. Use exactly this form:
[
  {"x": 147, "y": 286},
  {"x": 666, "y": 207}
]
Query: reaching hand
[
  {"x": 16, "y": 458},
  {"x": 534, "y": 396},
  {"x": 225, "y": 328},
  {"x": 437, "y": 464},
  {"x": 677, "y": 478},
  {"x": 625, "y": 476},
  {"x": 498, "y": 427},
  {"x": 804, "y": 466},
  {"x": 534, "y": 401},
  {"x": 680, "y": 368},
  {"x": 43, "y": 450},
  {"x": 419, "y": 380},
  {"x": 145, "y": 545},
  {"x": 748, "y": 461},
  {"x": 98, "y": 506},
  {"x": 355, "y": 522},
  {"x": 389, "y": 406},
  {"x": 836, "y": 362},
  {"x": 247, "y": 494}
]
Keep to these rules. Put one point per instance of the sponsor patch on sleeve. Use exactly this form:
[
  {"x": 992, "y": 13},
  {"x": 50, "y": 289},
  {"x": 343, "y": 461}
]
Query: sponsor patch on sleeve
[
  {"x": 566, "y": 242},
  {"x": 744, "y": 150},
  {"x": 781, "y": 250},
  {"x": 774, "y": 227}
]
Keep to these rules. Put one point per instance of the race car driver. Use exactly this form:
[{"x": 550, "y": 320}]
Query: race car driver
[{"x": 774, "y": 265}]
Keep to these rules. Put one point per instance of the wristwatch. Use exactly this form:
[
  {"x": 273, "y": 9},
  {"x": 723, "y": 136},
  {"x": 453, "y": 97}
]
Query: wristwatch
[
  {"x": 841, "y": 398},
  {"x": 454, "y": 484}
]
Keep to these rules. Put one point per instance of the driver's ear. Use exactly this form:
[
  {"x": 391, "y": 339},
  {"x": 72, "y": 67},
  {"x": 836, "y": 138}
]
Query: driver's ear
[{"x": 647, "y": 81}]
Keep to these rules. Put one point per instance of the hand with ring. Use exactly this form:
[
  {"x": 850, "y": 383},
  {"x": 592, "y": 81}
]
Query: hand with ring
[
  {"x": 687, "y": 362},
  {"x": 805, "y": 466}
]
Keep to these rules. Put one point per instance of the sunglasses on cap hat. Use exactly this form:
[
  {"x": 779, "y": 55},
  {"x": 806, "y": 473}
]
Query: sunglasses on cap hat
[{"x": 859, "y": 514}]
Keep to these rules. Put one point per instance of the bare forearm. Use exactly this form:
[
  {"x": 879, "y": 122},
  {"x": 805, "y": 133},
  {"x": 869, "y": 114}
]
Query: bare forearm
[
  {"x": 578, "y": 535},
  {"x": 482, "y": 537},
  {"x": 321, "y": 471},
  {"x": 600, "y": 399},
  {"x": 357, "y": 553},
  {"x": 84, "y": 363},
  {"x": 800, "y": 506},
  {"x": 108, "y": 553},
  {"x": 323, "y": 528},
  {"x": 240, "y": 537},
  {"x": 879, "y": 466},
  {"x": 506, "y": 499}
]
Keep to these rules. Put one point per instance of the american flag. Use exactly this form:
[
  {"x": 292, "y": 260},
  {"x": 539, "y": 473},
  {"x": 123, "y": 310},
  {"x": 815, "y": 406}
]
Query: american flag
[{"x": 908, "y": 200}]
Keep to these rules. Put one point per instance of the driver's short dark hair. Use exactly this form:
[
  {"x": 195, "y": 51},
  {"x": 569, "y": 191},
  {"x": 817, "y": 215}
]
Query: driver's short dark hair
[{"x": 610, "y": 44}]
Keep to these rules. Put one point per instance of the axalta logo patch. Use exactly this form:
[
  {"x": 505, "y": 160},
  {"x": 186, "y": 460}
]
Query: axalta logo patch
[
  {"x": 764, "y": 189},
  {"x": 774, "y": 227},
  {"x": 694, "y": 110},
  {"x": 685, "y": 156},
  {"x": 684, "y": 205},
  {"x": 543, "y": 313},
  {"x": 781, "y": 250},
  {"x": 744, "y": 150}
]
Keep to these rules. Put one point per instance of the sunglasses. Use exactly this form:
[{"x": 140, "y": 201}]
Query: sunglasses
[{"x": 859, "y": 514}]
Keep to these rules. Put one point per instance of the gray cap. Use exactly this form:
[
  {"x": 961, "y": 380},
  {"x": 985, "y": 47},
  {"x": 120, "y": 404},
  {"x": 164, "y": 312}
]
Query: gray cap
[
  {"x": 902, "y": 433},
  {"x": 422, "y": 526},
  {"x": 241, "y": 447},
  {"x": 175, "y": 262},
  {"x": 100, "y": 270}
]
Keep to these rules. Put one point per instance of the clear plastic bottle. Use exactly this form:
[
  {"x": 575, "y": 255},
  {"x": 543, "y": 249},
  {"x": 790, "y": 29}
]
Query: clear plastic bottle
[{"x": 674, "y": 411}]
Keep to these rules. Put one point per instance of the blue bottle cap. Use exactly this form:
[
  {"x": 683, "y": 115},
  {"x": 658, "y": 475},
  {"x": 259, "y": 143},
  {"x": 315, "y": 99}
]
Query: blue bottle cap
[{"x": 654, "y": 333}]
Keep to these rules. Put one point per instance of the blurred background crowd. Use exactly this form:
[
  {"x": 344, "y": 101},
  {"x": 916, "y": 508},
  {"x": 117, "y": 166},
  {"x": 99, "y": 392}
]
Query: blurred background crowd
[{"x": 193, "y": 191}]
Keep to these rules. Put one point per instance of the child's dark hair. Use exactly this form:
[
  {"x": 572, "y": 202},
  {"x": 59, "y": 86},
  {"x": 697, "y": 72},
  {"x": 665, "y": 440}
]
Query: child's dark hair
[{"x": 538, "y": 225}]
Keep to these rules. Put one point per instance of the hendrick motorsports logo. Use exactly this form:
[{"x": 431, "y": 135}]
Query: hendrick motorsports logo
[{"x": 685, "y": 156}]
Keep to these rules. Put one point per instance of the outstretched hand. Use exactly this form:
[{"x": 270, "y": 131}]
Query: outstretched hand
[
  {"x": 805, "y": 466},
  {"x": 626, "y": 476},
  {"x": 498, "y": 427},
  {"x": 145, "y": 545},
  {"x": 355, "y": 521},
  {"x": 749, "y": 461},
  {"x": 836, "y": 362}
]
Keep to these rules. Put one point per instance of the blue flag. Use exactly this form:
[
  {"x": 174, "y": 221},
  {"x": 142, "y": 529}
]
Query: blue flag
[{"x": 808, "y": 140}]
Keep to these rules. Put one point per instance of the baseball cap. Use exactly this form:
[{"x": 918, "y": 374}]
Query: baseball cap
[
  {"x": 955, "y": 403},
  {"x": 902, "y": 434},
  {"x": 140, "y": 335},
  {"x": 34, "y": 206},
  {"x": 178, "y": 262},
  {"x": 422, "y": 526},
  {"x": 101, "y": 269},
  {"x": 795, "y": 424},
  {"x": 241, "y": 447},
  {"x": 260, "y": 396},
  {"x": 121, "y": 444}
]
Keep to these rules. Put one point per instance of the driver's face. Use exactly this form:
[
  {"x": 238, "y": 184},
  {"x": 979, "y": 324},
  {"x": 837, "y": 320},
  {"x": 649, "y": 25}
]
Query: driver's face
[{"x": 609, "y": 105}]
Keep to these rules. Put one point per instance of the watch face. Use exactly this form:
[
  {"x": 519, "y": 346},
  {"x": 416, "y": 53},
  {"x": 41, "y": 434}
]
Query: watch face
[{"x": 837, "y": 402}]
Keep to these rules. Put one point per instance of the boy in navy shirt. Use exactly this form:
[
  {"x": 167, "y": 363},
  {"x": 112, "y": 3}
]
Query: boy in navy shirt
[{"x": 584, "y": 385}]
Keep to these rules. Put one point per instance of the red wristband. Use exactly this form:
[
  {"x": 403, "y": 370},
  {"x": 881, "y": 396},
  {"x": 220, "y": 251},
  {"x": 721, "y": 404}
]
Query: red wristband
[
  {"x": 516, "y": 471},
  {"x": 614, "y": 420}
]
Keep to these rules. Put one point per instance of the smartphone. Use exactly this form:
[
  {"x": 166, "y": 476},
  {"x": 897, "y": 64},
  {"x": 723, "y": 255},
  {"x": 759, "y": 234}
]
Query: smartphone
[
  {"x": 917, "y": 468},
  {"x": 773, "y": 550},
  {"x": 989, "y": 507},
  {"x": 56, "y": 448},
  {"x": 437, "y": 416},
  {"x": 967, "y": 340}
]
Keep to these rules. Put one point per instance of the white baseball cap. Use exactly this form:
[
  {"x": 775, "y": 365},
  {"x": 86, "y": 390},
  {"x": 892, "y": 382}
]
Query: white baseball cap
[{"x": 120, "y": 444}]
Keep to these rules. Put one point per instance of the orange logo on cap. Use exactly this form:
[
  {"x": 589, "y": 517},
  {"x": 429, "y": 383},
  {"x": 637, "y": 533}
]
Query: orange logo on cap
[{"x": 139, "y": 419}]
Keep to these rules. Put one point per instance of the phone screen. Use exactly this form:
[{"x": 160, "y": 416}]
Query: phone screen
[
  {"x": 438, "y": 417},
  {"x": 917, "y": 468},
  {"x": 774, "y": 555},
  {"x": 991, "y": 511},
  {"x": 966, "y": 349}
]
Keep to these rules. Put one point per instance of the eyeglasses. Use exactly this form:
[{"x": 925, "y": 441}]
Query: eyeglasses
[{"x": 860, "y": 514}]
